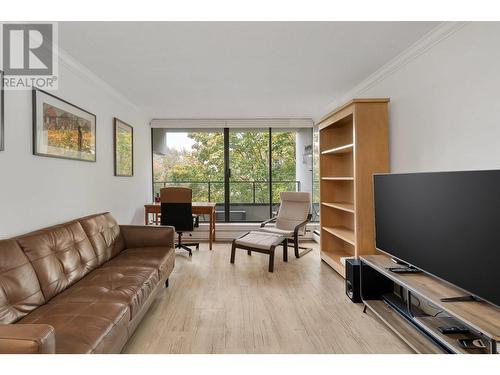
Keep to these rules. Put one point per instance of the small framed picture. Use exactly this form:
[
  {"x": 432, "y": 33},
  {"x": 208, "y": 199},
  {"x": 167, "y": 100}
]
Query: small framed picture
[
  {"x": 61, "y": 129},
  {"x": 2, "y": 141},
  {"x": 124, "y": 148}
]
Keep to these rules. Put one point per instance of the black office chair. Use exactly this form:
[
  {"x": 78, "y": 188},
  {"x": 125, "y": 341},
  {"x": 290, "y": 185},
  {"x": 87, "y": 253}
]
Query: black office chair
[{"x": 177, "y": 211}]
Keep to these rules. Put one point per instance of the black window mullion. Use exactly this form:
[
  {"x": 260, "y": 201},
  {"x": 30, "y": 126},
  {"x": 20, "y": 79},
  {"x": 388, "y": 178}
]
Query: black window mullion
[
  {"x": 152, "y": 166},
  {"x": 270, "y": 174},
  {"x": 226, "y": 176}
]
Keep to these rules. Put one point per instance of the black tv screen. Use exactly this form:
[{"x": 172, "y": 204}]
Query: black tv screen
[{"x": 444, "y": 223}]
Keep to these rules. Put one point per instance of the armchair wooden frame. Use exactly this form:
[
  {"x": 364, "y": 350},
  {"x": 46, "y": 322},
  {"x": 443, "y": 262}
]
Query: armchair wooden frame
[{"x": 295, "y": 238}]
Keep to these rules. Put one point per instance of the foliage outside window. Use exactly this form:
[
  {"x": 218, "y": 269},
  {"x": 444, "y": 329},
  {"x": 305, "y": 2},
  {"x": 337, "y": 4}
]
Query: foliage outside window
[{"x": 196, "y": 159}]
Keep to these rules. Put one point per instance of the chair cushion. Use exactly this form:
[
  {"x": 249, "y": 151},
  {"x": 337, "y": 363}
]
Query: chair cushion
[
  {"x": 294, "y": 208},
  {"x": 104, "y": 234},
  {"x": 160, "y": 258},
  {"x": 260, "y": 240},
  {"x": 60, "y": 256},
  {"x": 282, "y": 232},
  {"x": 95, "y": 327},
  {"x": 20, "y": 291},
  {"x": 114, "y": 283}
]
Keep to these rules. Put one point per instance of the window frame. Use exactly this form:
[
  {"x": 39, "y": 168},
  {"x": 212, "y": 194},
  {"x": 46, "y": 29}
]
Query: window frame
[{"x": 227, "y": 183}]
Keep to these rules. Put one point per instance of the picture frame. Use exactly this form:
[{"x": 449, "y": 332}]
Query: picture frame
[
  {"x": 62, "y": 130},
  {"x": 2, "y": 112},
  {"x": 123, "y": 147}
]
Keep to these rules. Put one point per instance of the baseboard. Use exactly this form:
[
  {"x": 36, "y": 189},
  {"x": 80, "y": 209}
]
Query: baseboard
[
  {"x": 315, "y": 235},
  {"x": 230, "y": 231}
]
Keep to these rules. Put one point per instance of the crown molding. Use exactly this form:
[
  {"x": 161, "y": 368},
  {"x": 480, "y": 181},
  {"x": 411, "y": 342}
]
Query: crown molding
[
  {"x": 428, "y": 41},
  {"x": 74, "y": 66},
  {"x": 245, "y": 123}
]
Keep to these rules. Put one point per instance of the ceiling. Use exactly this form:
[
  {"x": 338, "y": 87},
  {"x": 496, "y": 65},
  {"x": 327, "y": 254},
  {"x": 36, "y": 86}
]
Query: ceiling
[{"x": 236, "y": 69}]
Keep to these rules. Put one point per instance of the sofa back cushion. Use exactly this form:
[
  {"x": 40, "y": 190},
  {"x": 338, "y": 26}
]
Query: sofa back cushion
[
  {"x": 20, "y": 291},
  {"x": 60, "y": 256},
  {"x": 104, "y": 234}
]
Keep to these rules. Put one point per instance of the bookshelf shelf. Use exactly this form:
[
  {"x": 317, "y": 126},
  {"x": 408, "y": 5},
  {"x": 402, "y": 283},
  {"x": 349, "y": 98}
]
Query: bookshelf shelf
[
  {"x": 343, "y": 206},
  {"x": 339, "y": 150},
  {"x": 343, "y": 233},
  {"x": 337, "y": 178},
  {"x": 347, "y": 165},
  {"x": 334, "y": 260}
]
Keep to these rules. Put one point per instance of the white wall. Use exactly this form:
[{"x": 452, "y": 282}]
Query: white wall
[
  {"x": 445, "y": 104},
  {"x": 39, "y": 191}
]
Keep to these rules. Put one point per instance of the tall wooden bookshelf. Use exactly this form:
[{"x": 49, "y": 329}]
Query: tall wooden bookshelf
[{"x": 353, "y": 143}]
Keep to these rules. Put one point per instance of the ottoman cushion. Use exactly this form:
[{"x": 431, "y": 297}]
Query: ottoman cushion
[{"x": 260, "y": 240}]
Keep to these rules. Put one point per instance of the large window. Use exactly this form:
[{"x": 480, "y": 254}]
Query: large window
[
  {"x": 242, "y": 170},
  {"x": 249, "y": 175}
]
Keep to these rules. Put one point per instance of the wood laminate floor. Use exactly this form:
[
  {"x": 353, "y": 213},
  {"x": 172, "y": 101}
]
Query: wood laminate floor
[{"x": 213, "y": 306}]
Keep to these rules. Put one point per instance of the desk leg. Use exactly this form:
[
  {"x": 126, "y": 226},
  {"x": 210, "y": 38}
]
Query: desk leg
[
  {"x": 146, "y": 216},
  {"x": 211, "y": 229},
  {"x": 215, "y": 219}
]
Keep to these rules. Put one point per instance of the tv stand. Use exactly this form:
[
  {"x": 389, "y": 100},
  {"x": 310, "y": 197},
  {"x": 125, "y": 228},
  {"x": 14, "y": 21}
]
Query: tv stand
[{"x": 406, "y": 304}]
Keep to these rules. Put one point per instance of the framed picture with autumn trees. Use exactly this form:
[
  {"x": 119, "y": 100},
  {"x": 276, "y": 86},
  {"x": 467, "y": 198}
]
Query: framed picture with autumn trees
[
  {"x": 61, "y": 129},
  {"x": 123, "y": 148}
]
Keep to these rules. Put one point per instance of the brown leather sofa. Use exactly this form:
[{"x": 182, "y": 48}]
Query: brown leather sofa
[{"x": 82, "y": 286}]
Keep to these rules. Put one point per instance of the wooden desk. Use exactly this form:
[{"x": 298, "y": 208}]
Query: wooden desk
[{"x": 199, "y": 208}]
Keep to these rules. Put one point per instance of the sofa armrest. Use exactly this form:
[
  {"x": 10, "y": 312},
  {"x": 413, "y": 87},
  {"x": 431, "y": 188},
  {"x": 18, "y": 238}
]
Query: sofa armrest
[
  {"x": 147, "y": 236},
  {"x": 27, "y": 339}
]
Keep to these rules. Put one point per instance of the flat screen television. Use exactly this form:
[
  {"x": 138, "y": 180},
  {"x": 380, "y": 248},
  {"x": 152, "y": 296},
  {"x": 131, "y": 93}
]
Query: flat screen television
[{"x": 444, "y": 223}]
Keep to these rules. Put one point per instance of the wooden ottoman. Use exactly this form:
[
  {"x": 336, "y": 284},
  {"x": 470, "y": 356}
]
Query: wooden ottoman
[{"x": 261, "y": 242}]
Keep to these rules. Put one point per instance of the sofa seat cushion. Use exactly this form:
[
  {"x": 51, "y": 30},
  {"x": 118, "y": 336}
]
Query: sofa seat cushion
[
  {"x": 160, "y": 258},
  {"x": 120, "y": 284},
  {"x": 82, "y": 327}
]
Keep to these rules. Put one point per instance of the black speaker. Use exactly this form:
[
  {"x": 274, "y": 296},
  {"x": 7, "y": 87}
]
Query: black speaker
[
  {"x": 373, "y": 284},
  {"x": 352, "y": 279}
]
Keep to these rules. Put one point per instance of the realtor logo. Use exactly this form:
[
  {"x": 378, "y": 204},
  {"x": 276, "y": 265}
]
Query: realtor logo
[
  {"x": 28, "y": 55},
  {"x": 29, "y": 48}
]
